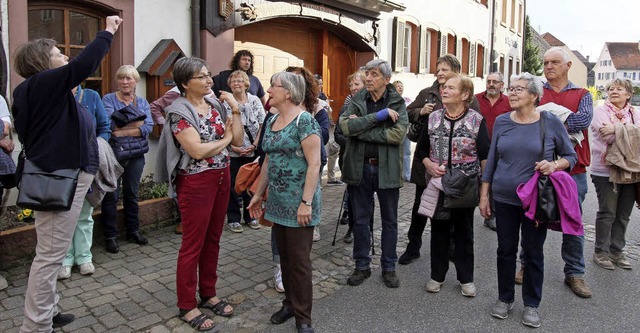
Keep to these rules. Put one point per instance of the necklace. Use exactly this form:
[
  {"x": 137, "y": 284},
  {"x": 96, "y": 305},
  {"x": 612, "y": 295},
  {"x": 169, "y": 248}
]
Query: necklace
[
  {"x": 452, "y": 117},
  {"x": 529, "y": 121}
]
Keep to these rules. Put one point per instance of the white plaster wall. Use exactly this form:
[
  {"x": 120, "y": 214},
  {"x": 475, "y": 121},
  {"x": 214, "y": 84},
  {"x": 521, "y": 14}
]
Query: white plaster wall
[
  {"x": 462, "y": 17},
  {"x": 156, "y": 20},
  {"x": 598, "y": 68}
]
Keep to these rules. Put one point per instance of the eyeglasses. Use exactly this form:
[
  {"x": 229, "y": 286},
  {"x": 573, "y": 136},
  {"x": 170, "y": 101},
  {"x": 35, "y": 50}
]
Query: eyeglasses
[
  {"x": 273, "y": 85},
  {"x": 516, "y": 89},
  {"x": 240, "y": 81},
  {"x": 494, "y": 81},
  {"x": 204, "y": 76}
]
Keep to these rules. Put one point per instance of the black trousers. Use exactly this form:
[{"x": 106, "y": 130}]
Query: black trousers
[
  {"x": 418, "y": 223},
  {"x": 459, "y": 228}
]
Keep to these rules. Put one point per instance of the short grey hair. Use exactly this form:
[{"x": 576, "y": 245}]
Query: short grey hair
[
  {"x": 500, "y": 76},
  {"x": 556, "y": 49},
  {"x": 293, "y": 83},
  {"x": 184, "y": 69},
  {"x": 534, "y": 85},
  {"x": 381, "y": 65}
]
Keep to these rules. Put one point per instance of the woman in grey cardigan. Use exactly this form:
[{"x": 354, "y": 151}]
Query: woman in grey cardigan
[{"x": 193, "y": 156}]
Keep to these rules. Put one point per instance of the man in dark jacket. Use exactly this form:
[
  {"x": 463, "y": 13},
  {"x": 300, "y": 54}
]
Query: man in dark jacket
[
  {"x": 376, "y": 124},
  {"x": 427, "y": 101},
  {"x": 242, "y": 60}
]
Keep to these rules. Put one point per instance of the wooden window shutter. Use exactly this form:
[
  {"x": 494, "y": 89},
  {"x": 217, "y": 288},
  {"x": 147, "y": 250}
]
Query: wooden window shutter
[
  {"x": 424, "y": 50},
  {"x": 472, "y": 60},
  {"x": 443, "y": 44},
  {"x": 396, "y": 54}
]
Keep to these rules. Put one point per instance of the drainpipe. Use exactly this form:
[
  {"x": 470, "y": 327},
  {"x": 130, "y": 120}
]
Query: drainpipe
[
  {"x": 491, "y": 35},
  {"x": 195, "y": 28},
  {"x": 524, "y": 37}
]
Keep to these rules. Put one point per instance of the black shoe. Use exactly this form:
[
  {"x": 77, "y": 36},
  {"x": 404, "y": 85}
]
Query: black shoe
[
  {"x": 490, "y": 223},
  {"x": 62, "y": 319},
  {"x": 112, "y": 245},
  {"x": 284, "y": 314},
  {"x": 348, "y": 237},
  {"x": 305, "y": 328},
  {"x": 358, "y": 276},
  {"x": 408, "y": 257},
  {"x": 344, "y": 220},
  {"x": 390, "y": 279},
  {"x": 137, "y": 238}
]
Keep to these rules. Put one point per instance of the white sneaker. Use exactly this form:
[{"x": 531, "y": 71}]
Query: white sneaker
[
  {"x": 87, "y": 268},
  {"x": 468, "y": 289},
  {"x": 316, "y": 234},
  {"x": 277, "y": 279},
  {"x": 433, "y": 286},
  {"x": 65, "y": 273}
]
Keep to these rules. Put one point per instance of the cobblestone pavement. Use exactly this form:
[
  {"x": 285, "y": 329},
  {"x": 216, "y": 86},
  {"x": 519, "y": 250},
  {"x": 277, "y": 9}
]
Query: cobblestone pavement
[{"x": 134, "y": 290}]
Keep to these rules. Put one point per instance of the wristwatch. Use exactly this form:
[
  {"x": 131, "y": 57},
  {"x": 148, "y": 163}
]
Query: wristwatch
[{"x": 308, "y": 203}]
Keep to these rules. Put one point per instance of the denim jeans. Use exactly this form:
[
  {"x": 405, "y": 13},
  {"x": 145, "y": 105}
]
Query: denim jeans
[
  {"x": 509, "y": 219},
  {"x": 237, "y": 201},
  {"x": 361, "y": 196},
  {"x": 615, "y": 204},
  {"x": 406, "y": 159},
  {"x": 573, "y": 246},
  {"x": 129, "y": 181}
]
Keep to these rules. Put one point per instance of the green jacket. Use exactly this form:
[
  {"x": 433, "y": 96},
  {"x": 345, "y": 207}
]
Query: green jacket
[{"x": 366, "y": 128}]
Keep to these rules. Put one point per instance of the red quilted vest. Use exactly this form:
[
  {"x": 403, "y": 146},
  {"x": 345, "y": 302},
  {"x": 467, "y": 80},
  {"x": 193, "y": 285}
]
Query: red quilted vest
[{"x": 571, "y": 100}]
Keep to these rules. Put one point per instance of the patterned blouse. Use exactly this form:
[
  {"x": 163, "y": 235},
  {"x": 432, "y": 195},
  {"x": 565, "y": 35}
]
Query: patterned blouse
[
  {"x": 464, "y": 141},
  {"x": 211, "y": 129},
  {"x": 252, "y": 114}
]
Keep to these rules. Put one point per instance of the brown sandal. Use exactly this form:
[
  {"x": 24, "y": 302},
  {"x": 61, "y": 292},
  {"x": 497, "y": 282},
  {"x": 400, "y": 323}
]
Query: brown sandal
[
  {"x": 196, "y": 322},
  {"x": 217, "y": 308}
]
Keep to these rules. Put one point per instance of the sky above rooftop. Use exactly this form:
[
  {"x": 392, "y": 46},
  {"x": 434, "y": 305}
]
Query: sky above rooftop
[{"x": 586, "y": 25}]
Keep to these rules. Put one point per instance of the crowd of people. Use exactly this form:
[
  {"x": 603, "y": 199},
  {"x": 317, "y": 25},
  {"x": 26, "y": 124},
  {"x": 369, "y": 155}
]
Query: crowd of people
[{"x": 472, "y": 150}]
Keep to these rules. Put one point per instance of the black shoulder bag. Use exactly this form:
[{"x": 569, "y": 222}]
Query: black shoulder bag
[
  {"x": 547, "y": 205},
  {"x": 45, "y": 191}
]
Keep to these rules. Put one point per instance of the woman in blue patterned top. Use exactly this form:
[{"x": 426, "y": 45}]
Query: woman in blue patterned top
[{"x": 291, "y": 168}]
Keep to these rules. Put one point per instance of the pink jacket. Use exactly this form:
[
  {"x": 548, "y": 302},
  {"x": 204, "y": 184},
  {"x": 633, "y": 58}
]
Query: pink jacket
[
  {"x": 429, "y": 198},
  {"x": 567, "y": 196}
]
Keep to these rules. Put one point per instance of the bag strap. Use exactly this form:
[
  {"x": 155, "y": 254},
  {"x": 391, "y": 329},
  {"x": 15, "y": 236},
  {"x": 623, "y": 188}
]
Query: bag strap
[
  {"x": 440, "y": 138},
  {"x": 246, "y": 130},
  {"x": 542, "y": 134}
]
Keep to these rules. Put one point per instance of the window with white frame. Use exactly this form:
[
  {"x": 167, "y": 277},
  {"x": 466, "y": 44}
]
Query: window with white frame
[{"x": 406, "y": 45}]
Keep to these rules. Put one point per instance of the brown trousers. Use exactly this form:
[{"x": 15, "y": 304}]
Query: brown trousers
[{"x": 294, "y": 245}]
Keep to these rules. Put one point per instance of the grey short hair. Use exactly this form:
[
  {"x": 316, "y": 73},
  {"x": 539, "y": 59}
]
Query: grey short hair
[
  {"x": 381, "y": 65},
  {"x": 184, "y": 69},
  {"x": 556, "y": 49},
  {"x": 534, "y": 85},
  {"x": 500, "y": 75},
  {"x": 293, "y": 83}
]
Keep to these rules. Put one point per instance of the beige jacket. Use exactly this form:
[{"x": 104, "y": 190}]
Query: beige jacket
[{"x": 623, "y": 155}]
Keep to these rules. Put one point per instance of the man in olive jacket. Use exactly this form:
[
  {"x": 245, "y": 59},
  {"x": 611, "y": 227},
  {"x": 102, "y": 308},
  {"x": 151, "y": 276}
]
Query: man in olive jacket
[{"x": 375, "y": 124}]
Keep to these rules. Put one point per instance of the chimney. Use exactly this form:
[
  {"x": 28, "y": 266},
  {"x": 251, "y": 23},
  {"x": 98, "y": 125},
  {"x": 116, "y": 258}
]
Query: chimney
[{"x": 588, "y": 58}]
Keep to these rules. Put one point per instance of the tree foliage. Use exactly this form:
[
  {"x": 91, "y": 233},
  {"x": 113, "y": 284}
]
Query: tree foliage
[
  {"x": 595, "y": 93},
  {"x": 532, "y": 61}
]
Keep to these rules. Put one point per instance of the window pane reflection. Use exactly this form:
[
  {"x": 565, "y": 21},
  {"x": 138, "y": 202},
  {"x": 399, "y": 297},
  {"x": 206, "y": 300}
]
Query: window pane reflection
[
  {"x": 46, "y": 23},
  {"x": 82, "y": 28}
]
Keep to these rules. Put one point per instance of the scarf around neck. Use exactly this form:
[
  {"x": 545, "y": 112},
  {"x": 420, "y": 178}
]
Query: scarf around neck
[{"x": 624, "y": 115}]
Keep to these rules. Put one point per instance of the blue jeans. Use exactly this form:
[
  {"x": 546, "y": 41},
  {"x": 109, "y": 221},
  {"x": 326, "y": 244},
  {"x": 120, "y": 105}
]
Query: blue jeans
[
  {"x": 361, "y": 196},
  {"x": 406, "y": 159},
  {"x": 573, "y": 246},
  {"x": 130, "y": 181},
  {"x": 509, "y": 219}
]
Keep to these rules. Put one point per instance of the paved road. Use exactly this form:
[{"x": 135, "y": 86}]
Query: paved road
[{"x": 134, "y": 291}]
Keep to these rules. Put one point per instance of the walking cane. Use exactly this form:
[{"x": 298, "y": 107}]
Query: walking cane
[{"x": 335, "y": 234}]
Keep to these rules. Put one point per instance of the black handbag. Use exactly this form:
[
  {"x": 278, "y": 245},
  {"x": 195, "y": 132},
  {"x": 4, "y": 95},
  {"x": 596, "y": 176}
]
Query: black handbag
[
  {"x": 46, "y": 191},
  {"x": 547, "y": 205},
  {"x": 460, "y": 189},
  {"x": 413, "y": 132}
]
